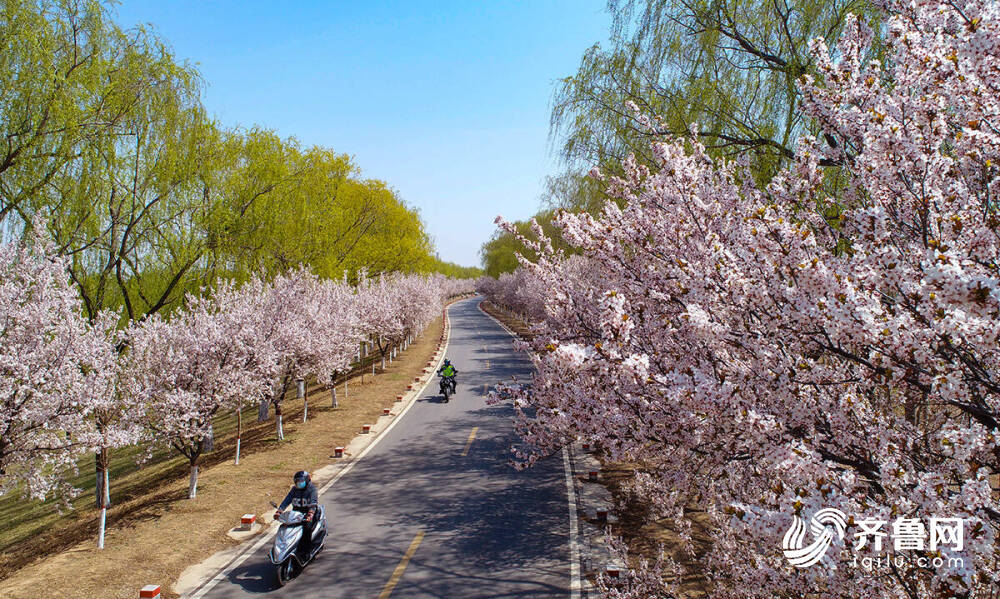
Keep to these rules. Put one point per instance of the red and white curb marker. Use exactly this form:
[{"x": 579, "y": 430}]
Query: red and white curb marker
[
  {"x": 366, "y": 428},
  {"x": 399, "y": 398},
  {"x": 150, "y": 591},
  {"x": 385, "y": 411},
  {"x": 247, "y": 520},
  {"x": 338, "y": 452}
]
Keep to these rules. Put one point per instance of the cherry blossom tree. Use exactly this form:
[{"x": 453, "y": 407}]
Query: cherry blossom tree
[
  {"x": 114, "y": 421},
  {"x": 184, "y": 370},
  {"x": 338, "y": 327},
  {"x": 421, "y": 298},
  {"x": 311, "y": 329},
  {"x": 54, "y": 370},
  {"x": 826, "y": 340},
  {"x": 383, "y": 318}
]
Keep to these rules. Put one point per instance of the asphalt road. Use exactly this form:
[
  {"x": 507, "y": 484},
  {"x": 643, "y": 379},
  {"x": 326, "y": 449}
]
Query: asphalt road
[{"x": 471, "y": 524}]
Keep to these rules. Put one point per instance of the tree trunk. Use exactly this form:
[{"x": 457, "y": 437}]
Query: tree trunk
[
  {"x": 100, "y": 530},
  {"x": 104, "y": 483},
  {"x": 262, "y": 410},
  {"x": 277, "y": 418},
  {"x": 102, "y": 494},
  {"x": 333, "y": 396},
  {"x": 302, "y": 391},
  {"x": 193, "y": 485},
  {"x": 209, "y": 440},
  {"x": 239, "y": 433}
]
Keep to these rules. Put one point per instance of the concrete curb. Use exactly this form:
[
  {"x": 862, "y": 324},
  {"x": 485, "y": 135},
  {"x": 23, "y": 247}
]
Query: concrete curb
[{"x": 220, "y": 564}]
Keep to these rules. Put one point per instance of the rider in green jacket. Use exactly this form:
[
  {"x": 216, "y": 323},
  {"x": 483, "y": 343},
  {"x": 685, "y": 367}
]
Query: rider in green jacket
[{"x": 448, "y": 372}]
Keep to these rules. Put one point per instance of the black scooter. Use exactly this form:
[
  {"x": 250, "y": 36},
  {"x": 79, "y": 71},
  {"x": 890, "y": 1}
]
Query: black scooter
[{"x": 448, "y": 386}]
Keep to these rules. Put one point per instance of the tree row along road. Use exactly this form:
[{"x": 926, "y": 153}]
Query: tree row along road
[{"x": 438, "y": 489}]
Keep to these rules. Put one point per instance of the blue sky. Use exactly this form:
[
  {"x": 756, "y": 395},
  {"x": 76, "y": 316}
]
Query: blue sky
[{"x": 448, "y": 102}]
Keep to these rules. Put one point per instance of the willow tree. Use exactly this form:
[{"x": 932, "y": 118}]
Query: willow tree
[
  {"x": 57, "y": 95},
  {"x": 729, "y": 65}
]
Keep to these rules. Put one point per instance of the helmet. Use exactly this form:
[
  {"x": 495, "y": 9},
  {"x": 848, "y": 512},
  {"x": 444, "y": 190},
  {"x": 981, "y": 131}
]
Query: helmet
[
  {"x": 302, "y": 479},
  {"x": 447, "y": 362}
]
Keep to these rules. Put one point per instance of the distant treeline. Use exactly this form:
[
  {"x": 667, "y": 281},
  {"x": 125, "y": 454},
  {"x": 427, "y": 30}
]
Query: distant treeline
[{"x": 105, "y": 143}]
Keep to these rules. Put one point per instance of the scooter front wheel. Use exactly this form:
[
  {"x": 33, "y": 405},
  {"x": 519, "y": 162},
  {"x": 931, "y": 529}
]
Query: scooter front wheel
[{"x": 285, "y": 570}]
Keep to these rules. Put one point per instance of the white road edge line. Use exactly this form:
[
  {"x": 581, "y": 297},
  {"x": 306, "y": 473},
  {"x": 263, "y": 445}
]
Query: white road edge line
[
  {"x": 223, "y": 573},
  {"x": 574, "y": 536}
]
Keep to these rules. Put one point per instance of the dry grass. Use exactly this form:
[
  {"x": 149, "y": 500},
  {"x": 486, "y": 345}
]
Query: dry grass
[{"x": 154, "y": 532}]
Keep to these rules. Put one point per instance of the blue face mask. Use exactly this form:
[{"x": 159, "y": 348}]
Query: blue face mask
[{"x": 301, "y": 484}]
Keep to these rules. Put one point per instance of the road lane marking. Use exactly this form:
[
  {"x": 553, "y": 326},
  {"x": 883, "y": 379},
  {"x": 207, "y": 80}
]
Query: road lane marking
[
  {"x": 398, "y": 572},
  {"x": 468, "y": 443},
  {"x": 574, "y": 544}
]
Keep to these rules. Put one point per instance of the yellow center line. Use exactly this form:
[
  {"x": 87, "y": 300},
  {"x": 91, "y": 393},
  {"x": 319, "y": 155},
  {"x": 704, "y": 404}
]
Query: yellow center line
[
  {"x": 468, "y": 443},
  {"x": 398, "y": 572}
]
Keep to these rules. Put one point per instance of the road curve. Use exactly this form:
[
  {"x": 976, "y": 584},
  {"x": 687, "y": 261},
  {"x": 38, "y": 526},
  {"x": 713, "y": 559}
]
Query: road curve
[{"x": 433, "y": 511}]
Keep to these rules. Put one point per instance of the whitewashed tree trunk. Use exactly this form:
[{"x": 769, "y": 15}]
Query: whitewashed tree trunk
[
  {"x": 106, "y": 491},
  {"x": 280, "y": 430},
  {"x": 333, "y": 397},
  {"x": 262, "y": 409},
  {"x": 105, "y": 502},
  {"x": 193, "y": 485},
  {"x": 301, "y": 390},
  {"x": 239, "y": 433}
]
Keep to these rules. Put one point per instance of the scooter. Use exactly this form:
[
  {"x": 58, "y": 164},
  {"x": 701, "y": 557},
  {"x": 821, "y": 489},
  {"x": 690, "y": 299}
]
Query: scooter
[
  {"x": 447, "y": 387},
  {"x": 285, "y": 555}
]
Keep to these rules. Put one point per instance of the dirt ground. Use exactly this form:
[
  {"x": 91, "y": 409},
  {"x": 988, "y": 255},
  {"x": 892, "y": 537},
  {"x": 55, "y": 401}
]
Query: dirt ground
[
  {"x": 153, "y": 536},
  {"x": 644, "y": 537}
]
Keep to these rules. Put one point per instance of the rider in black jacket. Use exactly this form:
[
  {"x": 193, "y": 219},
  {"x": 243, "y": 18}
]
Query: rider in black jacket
[{"x": 304, "y": 498}]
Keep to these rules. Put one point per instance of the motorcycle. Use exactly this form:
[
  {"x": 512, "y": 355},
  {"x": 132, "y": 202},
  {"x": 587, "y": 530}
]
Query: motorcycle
[
  {"x": 448, "y": 386},
  {"x": 286, "y": 555}
]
